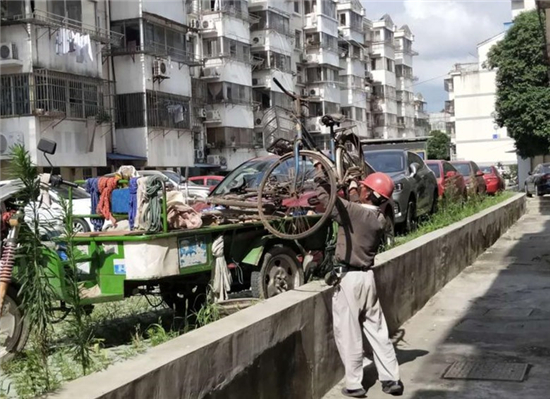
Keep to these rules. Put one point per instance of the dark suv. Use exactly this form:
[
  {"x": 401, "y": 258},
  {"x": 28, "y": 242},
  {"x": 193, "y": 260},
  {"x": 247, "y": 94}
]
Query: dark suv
[{"x": 416, "y": 191}]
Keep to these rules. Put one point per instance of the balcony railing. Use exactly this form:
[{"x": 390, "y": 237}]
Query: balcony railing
[{"x": 44, "y": 18}]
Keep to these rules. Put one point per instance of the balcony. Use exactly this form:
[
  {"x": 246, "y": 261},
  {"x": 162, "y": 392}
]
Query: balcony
[
  {"x": 450, "y": 107},
  {"x": 49, "y": 20}
]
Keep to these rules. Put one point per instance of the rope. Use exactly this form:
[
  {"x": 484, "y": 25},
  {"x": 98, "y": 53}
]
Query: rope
[
  {"x": 106, "y": 186},
  {"x": 133, "y": 202},
  {"x": 92, "y": 188},
  {"x": 222, "y": 275},
  {"x": 153, "y": 209}
]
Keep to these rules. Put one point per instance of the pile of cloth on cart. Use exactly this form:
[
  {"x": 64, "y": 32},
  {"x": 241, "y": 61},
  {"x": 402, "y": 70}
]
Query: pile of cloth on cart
[{"x": 141, "y": 200}]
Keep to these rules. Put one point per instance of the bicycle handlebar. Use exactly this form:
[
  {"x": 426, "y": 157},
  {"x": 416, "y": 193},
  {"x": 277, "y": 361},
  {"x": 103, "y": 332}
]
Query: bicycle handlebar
[
  {"x": 292, "y": 95},
  {"x": 56, "y": 181}
]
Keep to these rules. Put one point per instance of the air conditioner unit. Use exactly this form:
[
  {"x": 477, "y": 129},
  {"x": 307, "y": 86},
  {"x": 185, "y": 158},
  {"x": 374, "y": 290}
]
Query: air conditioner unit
[
  {"x": 258, "y": 122},
  {"x": 205, "y": 24},
  {"x": 212, "y": 116},
  {"x": 8, "y": 51},
  {"x": 216, "y": 160},
  {"x": 199, "y": 154},
  {"x": 314, "y": 92},
  {"x": 8, "y": 140},
  {"x": 195, "y": 23},
  {"x": 161, "y": 68},
  {"x": 210, "y": 72},
  {"x": 258, "y": 40},
  {"x": 305, "y": 93},
  {"x": 201, "y": 113},
  {"x": 255, "y": 81}
]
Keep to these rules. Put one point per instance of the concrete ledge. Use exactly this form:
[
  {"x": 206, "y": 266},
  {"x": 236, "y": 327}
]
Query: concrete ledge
[{"x": 284, "y": 348}]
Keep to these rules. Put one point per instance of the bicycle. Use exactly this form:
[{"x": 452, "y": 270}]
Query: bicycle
[{"x": 290, "y": 216}]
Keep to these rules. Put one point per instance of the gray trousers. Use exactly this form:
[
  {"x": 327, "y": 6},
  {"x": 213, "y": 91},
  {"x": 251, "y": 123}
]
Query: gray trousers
[{"x": 357, "y": 315}]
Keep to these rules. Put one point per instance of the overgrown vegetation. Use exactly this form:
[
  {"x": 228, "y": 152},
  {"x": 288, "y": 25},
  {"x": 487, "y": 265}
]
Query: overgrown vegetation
[
  {"x": 523, "y": 89},
  {"x": 450, "y": 212},
  {"x": 439, "y": 145}
]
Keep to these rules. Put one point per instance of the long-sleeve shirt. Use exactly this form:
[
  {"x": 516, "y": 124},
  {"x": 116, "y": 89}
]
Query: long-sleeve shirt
[{"x": 359, "y": 228}]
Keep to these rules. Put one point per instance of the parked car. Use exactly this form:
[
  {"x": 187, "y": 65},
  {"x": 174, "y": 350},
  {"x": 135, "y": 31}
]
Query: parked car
[
  {"x": 249, "y": 176},
  {"x": 448, "y": 179},
  {"x": 176, "y": 181},
  {"x": 473, "y": 176},
  {"x": 416, "y": 192},
  {"x": 538, "y": 181},
  {"x": 210, "y": 181},
  {"x": 82, "y": 204},
  {"x": 493, "y": 179}
]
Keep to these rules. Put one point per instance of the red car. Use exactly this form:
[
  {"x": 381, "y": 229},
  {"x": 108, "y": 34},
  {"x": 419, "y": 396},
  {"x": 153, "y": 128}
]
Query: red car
[
  {"x": 210, "y": 181},
  {"x": 493, "y": 179},
  {"x": 447, "y": 176},
  {"x": 473, "y": 176}
]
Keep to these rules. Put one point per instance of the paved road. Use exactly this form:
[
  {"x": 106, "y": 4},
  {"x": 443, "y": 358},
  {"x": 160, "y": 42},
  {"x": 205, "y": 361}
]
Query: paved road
[{"x": 498, "y": 309}]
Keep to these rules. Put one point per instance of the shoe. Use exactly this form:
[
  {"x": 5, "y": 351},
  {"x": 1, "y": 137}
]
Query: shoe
[
  {"x": 394, "y": 388},
  {"x": 354, "y": 393}
]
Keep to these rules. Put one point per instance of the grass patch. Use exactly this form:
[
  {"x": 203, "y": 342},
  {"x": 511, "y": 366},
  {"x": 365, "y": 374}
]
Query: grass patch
[{"x": 453, "y": 212}]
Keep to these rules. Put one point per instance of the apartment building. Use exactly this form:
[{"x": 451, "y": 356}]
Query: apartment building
[
  {"x": 55, "y": 82},
  {"x": 421, "y": 117},
  {"x": 471, "y": 105},
  {"x": 173, "y": 83}
]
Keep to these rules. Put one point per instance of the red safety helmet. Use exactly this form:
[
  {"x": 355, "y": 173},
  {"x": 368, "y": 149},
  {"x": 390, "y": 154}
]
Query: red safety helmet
[{"x": 380, "y": 183}]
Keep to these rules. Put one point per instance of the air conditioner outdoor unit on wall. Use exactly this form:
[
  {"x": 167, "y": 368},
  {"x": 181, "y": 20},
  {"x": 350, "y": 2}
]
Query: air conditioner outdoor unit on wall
[
  {"x": 258, "y": 40},
  {"x": 258, "y": 122},
  {"x": 212, "y": 116},
  {"x": 210, "y": 72},
  {"x": 201, "y": 113},
  {"x": 195, "y": 23},
  {"x": 216, "y": 160},
  {"x": 161, "y": 68},
  {"x": 8, "y": 140},
  {"x": 8, "y": 51},
  {"x": 199, "y": 154}
]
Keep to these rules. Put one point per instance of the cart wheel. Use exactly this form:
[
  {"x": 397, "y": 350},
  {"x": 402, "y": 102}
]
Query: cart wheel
[
  {"x": 80, "y": 226},
  {"x": 280, "y": 272},
  {"x": 14, "y": 330}
]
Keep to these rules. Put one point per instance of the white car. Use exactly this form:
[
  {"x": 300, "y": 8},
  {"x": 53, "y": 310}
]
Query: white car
[{"x": 81, "y": 204}]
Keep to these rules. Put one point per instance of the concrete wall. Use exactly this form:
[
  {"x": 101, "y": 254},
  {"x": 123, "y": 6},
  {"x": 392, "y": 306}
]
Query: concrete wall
[{"x": 284, "y": 348}]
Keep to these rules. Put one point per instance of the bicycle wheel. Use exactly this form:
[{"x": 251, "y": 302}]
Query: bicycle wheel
[{"x": 287, "y": 201}]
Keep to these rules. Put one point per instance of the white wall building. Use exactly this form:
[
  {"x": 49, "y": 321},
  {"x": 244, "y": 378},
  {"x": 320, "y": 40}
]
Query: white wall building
[
  {"x": 471, "y": 104},
  {"x": 54, "y": 82},
  {"x": 421, "y": 117},
  {"x": 404, "y": 82}
]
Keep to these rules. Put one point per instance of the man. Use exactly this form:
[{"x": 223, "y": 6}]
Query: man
[{"x": 355, "y": 306}]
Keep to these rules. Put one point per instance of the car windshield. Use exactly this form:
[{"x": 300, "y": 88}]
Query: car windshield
[
  {"x": 545, "y": 169},
  {"x": 78, "y": 193},
  {"x": 249, "y": 175},
  {"x": 387, "y": 162},
  {"x": 463, "y": 168},
  {"x": 435, "y": 168}
]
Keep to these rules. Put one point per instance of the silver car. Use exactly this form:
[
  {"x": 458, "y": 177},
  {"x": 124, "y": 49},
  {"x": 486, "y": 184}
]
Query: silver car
[
  {"x": 415, "y": 192},
  {"x": 189, "y": 189}
]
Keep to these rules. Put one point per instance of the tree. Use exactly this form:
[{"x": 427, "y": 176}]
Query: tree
[
  {"x": 439, "y": 144},
  {"x": 523, "y": 92}
]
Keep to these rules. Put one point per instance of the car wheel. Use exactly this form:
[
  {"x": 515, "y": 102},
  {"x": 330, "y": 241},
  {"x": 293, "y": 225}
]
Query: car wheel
[
  {"x": 80, "y": 226},
  {"x": 411, "y": 221},
  {"x": 281, "y": 271},
  {"x": 527, "y": 193}
]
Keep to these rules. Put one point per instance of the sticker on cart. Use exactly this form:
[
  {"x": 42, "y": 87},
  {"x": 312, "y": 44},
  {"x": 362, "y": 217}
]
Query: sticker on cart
[
  {"x": 119, "y": 266},
  {"x": 192, "y": 251},
  {"x": 83, "y": 267}
]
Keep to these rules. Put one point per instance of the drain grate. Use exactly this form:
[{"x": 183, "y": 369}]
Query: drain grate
[{"x": 498, "y": 371}]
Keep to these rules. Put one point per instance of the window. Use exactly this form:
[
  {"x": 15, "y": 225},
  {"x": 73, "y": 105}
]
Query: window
[
  {"x": 389, "y": 65},
  {"x": 130, "y": 110},
  {"x": 234, "y": 49},
  {"x": 298, "y": 39},
  {"x": 328, "y": 8},
  {"x": 346, "y": 111},
  {"x": 165, "y": 41},
  {"x": 359, "y": 114},
  {"x": 279, "y": 61},
  {"x": 75, "y": 96},
  {"x": 297, "y": 6},
  {"x": 447, "y": 167},
  {"x": 131, "y": 31},
  {"x": 231, "y": 137},
  {"x": 342, "y": 19},
  {"x": 331, "y": 108},
  {"x": 434, "y": 167},
  {"x": 14, "y": 95},
  {"x": 211, "y": 47},
  {"x": 229, "y": 92},
  {"x": 167, "y": 110},
  {"x": 71, "y": 9},
  {"x": 11, "y": 8}
]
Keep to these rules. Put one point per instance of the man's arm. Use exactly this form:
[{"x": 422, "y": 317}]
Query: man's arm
[{"x": 323, "y": 194}]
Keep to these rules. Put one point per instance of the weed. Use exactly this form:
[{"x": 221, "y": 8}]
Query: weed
[{"x": 158, "y": 335}]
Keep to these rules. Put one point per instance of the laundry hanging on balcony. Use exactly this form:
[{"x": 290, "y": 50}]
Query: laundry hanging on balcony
[{"x": 68, "y": 41}]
